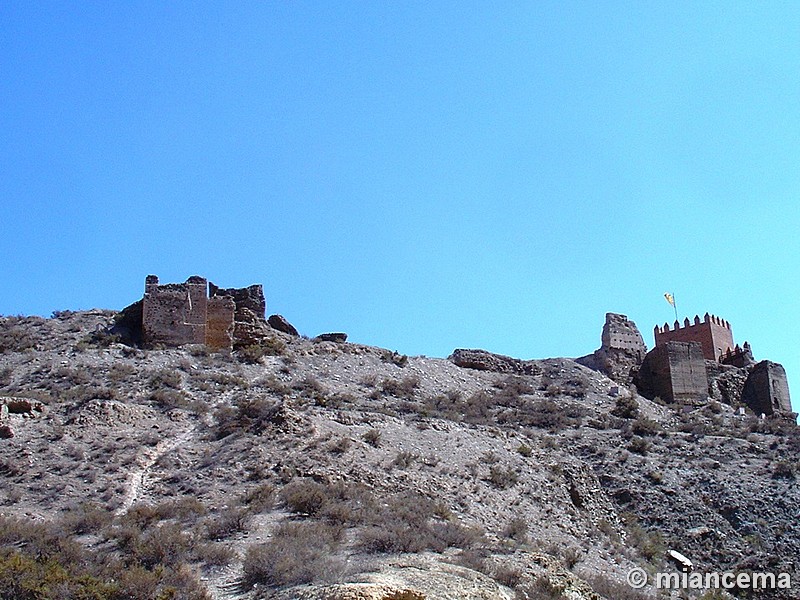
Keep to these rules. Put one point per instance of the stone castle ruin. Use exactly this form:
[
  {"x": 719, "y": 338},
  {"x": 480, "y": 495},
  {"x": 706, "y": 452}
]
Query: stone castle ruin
[
  {"x": 690, "y": 364},
  {"x": 198, "y": 312},
  {"x": 621, "y": 351},
  {"x": 183, "y": 313}
]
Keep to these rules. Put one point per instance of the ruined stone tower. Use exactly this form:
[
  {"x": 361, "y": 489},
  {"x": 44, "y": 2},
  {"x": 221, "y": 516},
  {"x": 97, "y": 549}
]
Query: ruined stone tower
[
  {"x": 621, "y": 351},
  {"x": 174, "y": 314}
]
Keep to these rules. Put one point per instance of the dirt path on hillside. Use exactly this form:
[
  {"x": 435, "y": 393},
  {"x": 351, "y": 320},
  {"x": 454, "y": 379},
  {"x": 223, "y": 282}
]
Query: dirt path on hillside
[{"x": 136, "y": 479}]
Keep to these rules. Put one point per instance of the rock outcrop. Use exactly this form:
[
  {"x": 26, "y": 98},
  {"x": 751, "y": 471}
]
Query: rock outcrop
[
  {"x": 483, "y": 360},
  {"x": 279, "y": 323},
  {"x": 339, "y": 338}
]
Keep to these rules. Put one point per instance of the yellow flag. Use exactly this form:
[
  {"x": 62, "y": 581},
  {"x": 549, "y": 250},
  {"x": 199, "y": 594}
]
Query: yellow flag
[{"x": 670, "y": 298}]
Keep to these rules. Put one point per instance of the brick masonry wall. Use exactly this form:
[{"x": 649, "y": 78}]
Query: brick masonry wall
[{"x": 713, "y": 334}]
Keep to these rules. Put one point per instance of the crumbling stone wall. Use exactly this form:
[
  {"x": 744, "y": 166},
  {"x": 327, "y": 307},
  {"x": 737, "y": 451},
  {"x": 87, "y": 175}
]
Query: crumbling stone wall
[
  {"x": 621, "y": 351},
  {"x": 175, "y": 313},
  {"x": 674, "y": 371},
  {"x": 766, "y": 390},
  {"x": 251, "y": 298},
  {"x": 725, "y": 382},
  {"x": 219, "y": 325},
  {"x": 713, "y": 334},
  {"x": 620, "y": 333}
]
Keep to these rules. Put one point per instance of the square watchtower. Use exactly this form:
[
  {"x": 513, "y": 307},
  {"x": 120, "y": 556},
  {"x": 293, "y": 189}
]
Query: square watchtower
[{"x": 712, "y": 333}]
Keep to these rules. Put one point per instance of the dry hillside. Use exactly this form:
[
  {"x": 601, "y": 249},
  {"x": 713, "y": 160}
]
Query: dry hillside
[{"x": 322, "y": 470}]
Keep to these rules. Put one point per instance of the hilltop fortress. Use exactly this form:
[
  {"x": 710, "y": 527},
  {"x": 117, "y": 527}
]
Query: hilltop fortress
[{"x": 690, "y": 364}]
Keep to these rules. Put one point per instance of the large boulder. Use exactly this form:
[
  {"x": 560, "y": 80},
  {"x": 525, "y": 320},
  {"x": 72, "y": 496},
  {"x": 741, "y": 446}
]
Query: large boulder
[{"x": 279, "y": 323}]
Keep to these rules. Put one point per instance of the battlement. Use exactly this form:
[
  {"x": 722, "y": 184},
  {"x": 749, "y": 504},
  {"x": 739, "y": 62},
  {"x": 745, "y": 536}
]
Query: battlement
[
  {"x": 686, "y": 324},
  {"x": 713, "y": 333},
  {"x": 739, "y": 357}
]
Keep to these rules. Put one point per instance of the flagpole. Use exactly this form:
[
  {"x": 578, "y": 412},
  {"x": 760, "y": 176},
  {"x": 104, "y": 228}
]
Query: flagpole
[{"x": 675, "y": 306}]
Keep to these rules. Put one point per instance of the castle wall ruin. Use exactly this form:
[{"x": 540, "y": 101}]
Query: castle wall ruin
[
  {"x": 621, "y": 351},
  {"x": 174, "y": 314},
  {"x": 219, "y": 323},
  {"x": 675, "y": 372},
  {"x": 766, "y": 390},
  {"x": 620, "y": 333}
]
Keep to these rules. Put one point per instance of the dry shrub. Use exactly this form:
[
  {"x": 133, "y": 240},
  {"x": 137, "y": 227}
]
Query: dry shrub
[
  {"x": 406, "y": 524},
  {"x": 169, "y": 378},
  {"x": 227, "y": 522},
  {"x": 608, "y": 588},
  {"x": 401, "y": 388},
  {"x": 507, "y": 576},
  {"x": 404, "y": 459},
  {"x": 626, "y": 407},
  {"x": 517, "y": 529},
  {"x": 644, "y": 426},
  {"x": 297, "y": 553},
  {"x": 252, "y": 414},
  {"x": 502, "y": 478},
  {"x": 166, "y": 544},
  {"x": 260, "y": 498},
  {"x": 41, "y": 561},
  {"x": 168, "y": 398},
  {"x": 372, "y": 437},
  {"x": 305, "y": 496},
  {"x": 16, "y": 335},
  {"x": 86, "y": 518},
  {"x": 541, "y": 589}
]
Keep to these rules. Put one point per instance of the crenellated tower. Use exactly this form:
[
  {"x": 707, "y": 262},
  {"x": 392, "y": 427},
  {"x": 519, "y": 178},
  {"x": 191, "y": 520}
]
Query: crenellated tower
[{"x": 712, "y": 333}]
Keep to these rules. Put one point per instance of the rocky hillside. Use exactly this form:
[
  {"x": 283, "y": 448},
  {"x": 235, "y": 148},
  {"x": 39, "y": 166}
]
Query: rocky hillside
[{"x": 323, "y": 470}]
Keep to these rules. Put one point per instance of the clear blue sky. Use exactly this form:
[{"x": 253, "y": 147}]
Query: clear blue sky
[{"x": 423, "y": 176}]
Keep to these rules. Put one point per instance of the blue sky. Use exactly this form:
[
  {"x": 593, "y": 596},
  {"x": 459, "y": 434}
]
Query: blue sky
[{"x": 423, "y": 176}]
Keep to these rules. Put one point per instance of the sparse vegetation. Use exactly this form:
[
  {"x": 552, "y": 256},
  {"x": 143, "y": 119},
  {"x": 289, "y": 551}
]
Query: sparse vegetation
[
  {"x": 401, "y": 360},
  {"x": 372, "y": 437},
  {"x": 40, "y": 562},
  {"x": 502, "y": 478},
  {"x": 295, "y": 451},
  {"x": 517, "y": 529},
  {"x": 626, "y": 407},
  {"x": 639, "y": 445},
  {"x": 297, "y": 553}
]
